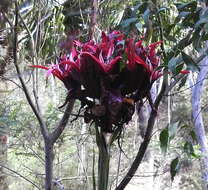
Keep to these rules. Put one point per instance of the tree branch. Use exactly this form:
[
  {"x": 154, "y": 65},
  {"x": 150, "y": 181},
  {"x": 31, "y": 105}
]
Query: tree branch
[
  {"x": 62, "y": 124},
  {"x": 43, "y": 127},
  {"x": 197, "y": 120},
  {"x": 93, "y": 19},
  {"x": 143, "y": 147},
  {"x": 20, "y": 175}
]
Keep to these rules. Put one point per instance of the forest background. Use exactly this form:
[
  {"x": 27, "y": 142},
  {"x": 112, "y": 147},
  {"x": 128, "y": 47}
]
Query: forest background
[{"x": 44, "y": 147}]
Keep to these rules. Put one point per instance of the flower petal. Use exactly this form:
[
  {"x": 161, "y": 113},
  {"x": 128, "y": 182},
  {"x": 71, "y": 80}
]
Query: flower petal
[{"x": 39, "y": 66}]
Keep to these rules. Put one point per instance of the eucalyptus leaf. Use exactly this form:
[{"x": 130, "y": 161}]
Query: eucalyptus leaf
[
  {"x": 162, "y": 9},
  {"x": 201, "y": 21},
  {"x": 184, "y": 14},
  {"x": 173, "y": 63},
  {"x": 172, "y": 130},
  {"x": 206, "y": 27},
  {"x": 188, "y": 148},
  {"x": 164, "y": 140},
  {"x": 174, "y": 168},
  {"x": 146, "y": 16},
  {"x": 128, "y": 21},
  {"x": 196, "y": 39},
  {"x": 191, "y": 65},
  {"x": 178, "y": 68},
  {"x": 193, "y": 135},
  {"x": 139, "y": 27},
  {"x": 186, "y": 6},
  {"x": 182, "y": 82}
]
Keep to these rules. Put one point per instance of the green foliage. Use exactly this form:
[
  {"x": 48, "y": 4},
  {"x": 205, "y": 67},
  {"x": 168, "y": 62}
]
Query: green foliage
[
  {"x": 54, "y": 32},
  {"x": 182, "y": 25},
  {"x": 76, "y": 14},
  {"x": 189, "y": 150},
  {"x": 191, "y": 64},
  {"x": 178, "y": 30},
  {"x": 3, "y": 126},
  {"x": 167, "y": 135},
  {"x": 127, "y": 22},
  {"x": 174, "y": 167},
  {"x": 175, "y": 65},
  {"x": 164, "y": 140}
]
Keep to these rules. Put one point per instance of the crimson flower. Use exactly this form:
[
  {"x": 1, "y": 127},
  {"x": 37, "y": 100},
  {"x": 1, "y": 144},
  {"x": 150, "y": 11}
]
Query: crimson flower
[
  {"x": 116, "y": 72},
  {"x": 67, "y": 70}
]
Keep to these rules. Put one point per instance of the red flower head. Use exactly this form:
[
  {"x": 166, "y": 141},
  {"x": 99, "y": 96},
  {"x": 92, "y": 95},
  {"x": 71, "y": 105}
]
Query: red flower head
[
  {"x": 115, "y": 71},
  {"x": 67, "y": 70}
]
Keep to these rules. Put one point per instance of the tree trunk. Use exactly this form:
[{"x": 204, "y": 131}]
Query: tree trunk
[
  {"x": 49, "y": 156},
  {"x": 3, "y": 161},
  {"x": 83, "y": 154},
  {"x": 198, "y": 120}
]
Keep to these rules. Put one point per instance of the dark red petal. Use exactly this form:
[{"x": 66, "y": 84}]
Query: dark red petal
[
  {"x": 155, "y": 75},
  {"x": 104, "y": 37},
  {"x": 72, "y": 64},
  {"x": 184, "y": 72},
  {"x": 141, "y": 62},
  {"x": 99, "y": 63},
  {"x": 110, "y": 66},
  {"x": 57, "y": 73},
  {"x": 139, "y": 44},
  {"x": 154, "y": 45}
]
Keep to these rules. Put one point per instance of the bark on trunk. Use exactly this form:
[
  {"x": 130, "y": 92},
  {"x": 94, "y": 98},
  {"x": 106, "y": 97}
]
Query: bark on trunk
[
  {"x": 198, "y": 120},
  {"x": 49, "y": 156},
  {"x": 3, "y": 161}
]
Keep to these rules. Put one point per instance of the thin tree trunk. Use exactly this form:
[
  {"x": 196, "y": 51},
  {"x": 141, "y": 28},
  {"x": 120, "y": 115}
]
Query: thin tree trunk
[
  {"x": 82, "y": 154},
  {"x": 93, "y": 19},
  {"x": 49, "y": 156},
  {"x": 198, "y": 120},
  {"x": 49, "y": 138},
  {"x": 3, "y": 161},
  {"x": 143, "y": 147}
]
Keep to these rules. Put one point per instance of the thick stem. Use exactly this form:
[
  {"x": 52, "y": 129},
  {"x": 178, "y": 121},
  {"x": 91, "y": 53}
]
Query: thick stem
[
  {"x": 48, "y": 164},
  {"x": 103, "y": 169},
  {"x": 104, "y": 160}
]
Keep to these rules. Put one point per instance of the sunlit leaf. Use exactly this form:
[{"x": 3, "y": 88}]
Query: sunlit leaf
[
  {"x": 172, "y": 129},
  {"x": 162, "y": 9},
  {"x": 128, "y": 21},
  {"x": 139, "y": 26},
  {"x": 146, "y": 16},
  {"x": 173, "y": 64}
]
